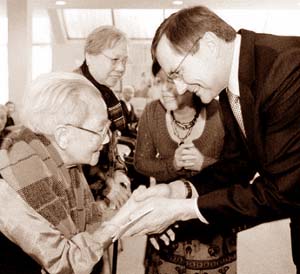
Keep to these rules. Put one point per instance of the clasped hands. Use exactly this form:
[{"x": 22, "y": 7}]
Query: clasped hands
[
  {"x": 163, "y": 207},
  {"x": 187, "y": 156}
]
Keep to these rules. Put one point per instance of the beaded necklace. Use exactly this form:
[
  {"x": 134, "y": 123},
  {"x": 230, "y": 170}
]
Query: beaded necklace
[{"x": 186, "y": 126}]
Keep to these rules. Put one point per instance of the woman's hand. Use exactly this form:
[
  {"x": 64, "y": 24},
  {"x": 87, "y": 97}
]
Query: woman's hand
[
  {"x": 187, "y": 156},
  {"x": 120, "y": 189}
]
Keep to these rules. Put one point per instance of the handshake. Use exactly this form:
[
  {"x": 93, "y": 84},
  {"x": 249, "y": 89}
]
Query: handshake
[{"x": 152, "y": 210}]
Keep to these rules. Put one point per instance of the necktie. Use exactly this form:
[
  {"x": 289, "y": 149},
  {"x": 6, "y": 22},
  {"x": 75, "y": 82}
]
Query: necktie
[{"x": 235, "y": 105}]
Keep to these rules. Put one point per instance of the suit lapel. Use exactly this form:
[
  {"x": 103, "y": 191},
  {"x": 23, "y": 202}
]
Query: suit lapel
[{"x": 250, "y": 112}]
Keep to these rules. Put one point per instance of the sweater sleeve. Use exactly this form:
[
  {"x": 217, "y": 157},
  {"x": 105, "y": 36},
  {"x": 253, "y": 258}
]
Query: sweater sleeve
[{"x": 42, "y": 241}]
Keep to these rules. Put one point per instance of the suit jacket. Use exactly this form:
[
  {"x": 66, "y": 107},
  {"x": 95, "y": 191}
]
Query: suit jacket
[{"x": 269, "y": 82}]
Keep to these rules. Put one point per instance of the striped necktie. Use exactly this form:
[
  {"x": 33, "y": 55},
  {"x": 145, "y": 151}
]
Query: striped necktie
[{"x": 235, "y": 105}]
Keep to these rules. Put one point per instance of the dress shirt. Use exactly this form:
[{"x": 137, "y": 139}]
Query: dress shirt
[{"x": 233, "y": 86}]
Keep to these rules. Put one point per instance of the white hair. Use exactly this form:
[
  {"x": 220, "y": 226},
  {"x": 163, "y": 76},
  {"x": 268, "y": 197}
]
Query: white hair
[{"x": 58, "y": 98}]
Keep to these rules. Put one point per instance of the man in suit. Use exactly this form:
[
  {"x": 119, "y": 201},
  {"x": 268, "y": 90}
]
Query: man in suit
[{"x": 257, "y": 79}]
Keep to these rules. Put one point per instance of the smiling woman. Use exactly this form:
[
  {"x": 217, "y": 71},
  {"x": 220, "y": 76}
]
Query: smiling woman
[
  {"x": 178, "y": 137},
  {"x": 65, "y": 125}
]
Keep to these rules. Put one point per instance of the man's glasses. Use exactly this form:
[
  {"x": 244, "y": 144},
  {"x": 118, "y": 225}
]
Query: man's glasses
[
  {"x": 173, "y": 75},
  {"x": 102, "y": 134},
  {"x": 115, "y": 61}
]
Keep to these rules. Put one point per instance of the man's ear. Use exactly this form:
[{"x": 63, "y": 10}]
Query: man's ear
[
  {"x": 212, "y": 42},
  {"x": 61, "y": 136}
]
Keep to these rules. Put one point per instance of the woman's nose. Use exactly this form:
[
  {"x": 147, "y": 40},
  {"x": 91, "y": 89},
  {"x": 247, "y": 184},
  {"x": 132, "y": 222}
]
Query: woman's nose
[{"x": 121, "y": 66}]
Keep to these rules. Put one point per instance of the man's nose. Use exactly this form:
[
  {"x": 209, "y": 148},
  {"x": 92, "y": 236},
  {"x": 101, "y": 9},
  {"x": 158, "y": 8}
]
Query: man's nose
[{"x": 181, "y": 86}]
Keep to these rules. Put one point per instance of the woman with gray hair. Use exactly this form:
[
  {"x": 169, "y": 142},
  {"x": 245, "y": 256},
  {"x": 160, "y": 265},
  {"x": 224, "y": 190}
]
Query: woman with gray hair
[
  {"x": 106, "y": 53},
  {"x": 47, "y": 208}
]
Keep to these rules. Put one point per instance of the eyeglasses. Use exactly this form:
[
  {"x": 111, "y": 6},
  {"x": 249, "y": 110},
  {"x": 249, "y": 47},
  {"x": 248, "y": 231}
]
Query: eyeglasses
[
  {"x": 103, "y": 133},
  {"x": 115, "y": 61},
  {"x": 173, "y": 75}
]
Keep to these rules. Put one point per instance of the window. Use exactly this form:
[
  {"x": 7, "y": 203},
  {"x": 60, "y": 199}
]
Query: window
[
  {"x": 78, "y": 23},
  {"x": 41, "y": 43},
  {"x": 138, "y": 23}
]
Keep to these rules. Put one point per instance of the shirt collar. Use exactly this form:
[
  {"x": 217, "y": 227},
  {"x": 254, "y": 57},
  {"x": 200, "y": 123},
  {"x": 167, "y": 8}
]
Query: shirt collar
[{"x": 233, "y": 84}]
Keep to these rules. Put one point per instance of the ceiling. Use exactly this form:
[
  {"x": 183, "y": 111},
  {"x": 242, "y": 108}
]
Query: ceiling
[{"x": 140, "y": 4}]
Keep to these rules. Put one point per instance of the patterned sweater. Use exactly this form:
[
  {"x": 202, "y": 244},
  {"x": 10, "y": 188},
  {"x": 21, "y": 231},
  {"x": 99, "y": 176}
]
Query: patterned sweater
[{"x": 47, "y": 209}]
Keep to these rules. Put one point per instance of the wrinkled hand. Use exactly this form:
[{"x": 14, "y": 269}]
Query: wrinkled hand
[
  {"x": 120, "y": 189},
  {"x": 187, "y": 156},
  {"x": 160, "y": 190},
  {"x": 122, "y": 216}
]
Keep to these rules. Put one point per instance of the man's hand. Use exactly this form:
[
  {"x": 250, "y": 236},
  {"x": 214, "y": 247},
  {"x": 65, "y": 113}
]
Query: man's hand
[
  {"x": 165, "y": 211},
  {"x": 160, "y": 190},
  {"x": 120, "y": 189},
  {"x": 166, "y": 237},
  {"x": 176, "y": 190}
]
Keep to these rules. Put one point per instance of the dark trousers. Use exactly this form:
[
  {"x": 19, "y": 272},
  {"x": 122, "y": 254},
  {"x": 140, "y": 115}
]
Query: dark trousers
[
  {"x": 14, "y": 261},
  {"x": 295, "y": 238}
]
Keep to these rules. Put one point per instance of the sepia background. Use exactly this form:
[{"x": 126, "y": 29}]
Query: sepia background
[{"x": 38, "y": 36}]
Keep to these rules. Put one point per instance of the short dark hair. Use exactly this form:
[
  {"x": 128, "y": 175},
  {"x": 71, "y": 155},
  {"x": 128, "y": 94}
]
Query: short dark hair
[{"x": 184, "y": 27}]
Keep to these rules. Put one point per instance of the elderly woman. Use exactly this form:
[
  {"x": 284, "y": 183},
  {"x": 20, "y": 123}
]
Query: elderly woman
[
  {"x": 47, "y": 207},
  {"x": 106, "y": 53}
]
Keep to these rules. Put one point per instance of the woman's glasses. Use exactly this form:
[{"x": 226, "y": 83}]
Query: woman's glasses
[
  {"x": 102, "y": 134},
  {"x": 115, "y": 61}
]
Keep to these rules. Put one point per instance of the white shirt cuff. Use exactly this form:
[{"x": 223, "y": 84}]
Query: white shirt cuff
[{"x": 199, "y": 215}]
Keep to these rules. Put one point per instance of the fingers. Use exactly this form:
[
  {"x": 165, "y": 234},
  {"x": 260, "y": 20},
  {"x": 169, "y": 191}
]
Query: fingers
[
  {"x": 143, "y": 193},
  {"x": 140, "y": 195},
  {"x": 117, "y": 197},
  {"x": 154, "y": 242},
  {"x": 171, "y": 234},
  {"x": 137, "y": 195},
  {"x": 168, "y": 236},
  {"x": 187, "y": 156},
  {"x": 165, "y": 239},
  {"x": 186, "y": 145}
]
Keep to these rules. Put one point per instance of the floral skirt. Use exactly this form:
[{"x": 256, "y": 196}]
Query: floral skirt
[{"x": 193, "y": 257}]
